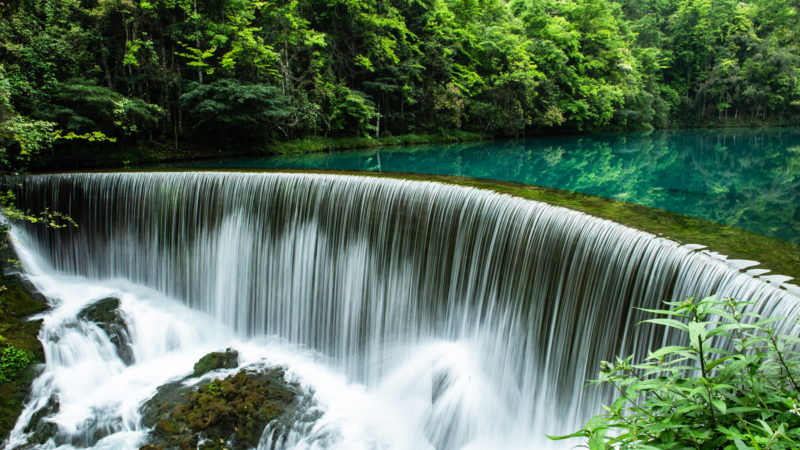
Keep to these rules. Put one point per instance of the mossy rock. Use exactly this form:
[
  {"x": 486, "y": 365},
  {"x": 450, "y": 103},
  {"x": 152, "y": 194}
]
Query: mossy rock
[
  {"x": 151, "y": 447},
  {"x": 18, "y": 301},
  {"x": 229, "y": 359},
  {"x": 167, "y": 397},
  {"x": 224, "y": 413},
  {"x": 105, "y": 313}
]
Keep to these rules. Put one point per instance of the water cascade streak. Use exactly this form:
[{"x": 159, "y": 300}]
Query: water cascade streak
[{"x": 365, "y": 271}]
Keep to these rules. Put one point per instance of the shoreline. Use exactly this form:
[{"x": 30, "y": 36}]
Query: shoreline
[{"x": 114, "y": 157}]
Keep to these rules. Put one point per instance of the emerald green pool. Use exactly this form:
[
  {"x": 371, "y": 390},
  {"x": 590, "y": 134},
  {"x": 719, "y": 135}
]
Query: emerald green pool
[{"x": 748, "y": 178}]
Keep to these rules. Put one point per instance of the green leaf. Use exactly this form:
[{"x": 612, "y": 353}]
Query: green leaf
[
  {"x": 665, "y": 312},
  {"x": 766, "y": 427},
  {"x": 697, "y": 332},
  {"x": 595, "y": 423},
  {"x": 672, "y": 323},
  {"x": 720, "y": 405},
  {"x": 668, "y": 351},
  {"x": 577, "y": 434},
  {"x": 743, "y": 409},
  {"x": 722, "y": 329},
  {"x": 716, "y": 362},
  {"x": 686, "y": 409},
  {"x": 768, "y": 320},
  {"x": 597, "y": 441}
]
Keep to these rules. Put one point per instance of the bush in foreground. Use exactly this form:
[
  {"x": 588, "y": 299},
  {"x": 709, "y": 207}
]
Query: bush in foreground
[{"x": 734, "y": 386}]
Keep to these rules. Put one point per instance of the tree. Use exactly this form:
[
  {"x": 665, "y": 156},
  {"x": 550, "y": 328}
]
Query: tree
[{"x": 231, "y": 112}]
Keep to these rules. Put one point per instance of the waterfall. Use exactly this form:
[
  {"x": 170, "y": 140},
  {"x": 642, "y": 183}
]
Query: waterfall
[{"x": 468, "y": 318}]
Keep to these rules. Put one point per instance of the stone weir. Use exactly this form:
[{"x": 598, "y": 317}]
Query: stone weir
[{"x": 362, "y": 270}]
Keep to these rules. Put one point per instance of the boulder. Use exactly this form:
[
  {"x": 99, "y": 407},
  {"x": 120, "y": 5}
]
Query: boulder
[
  {"x": 229, "y": 359},
  {"x": 38, "y": 427},
  {"x": 224, "y": 413},
  {"x": 107, "y": 316}
]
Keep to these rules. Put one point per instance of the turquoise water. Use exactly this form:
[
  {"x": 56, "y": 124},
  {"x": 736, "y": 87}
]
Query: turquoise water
[{"x": 748, "y": 178}]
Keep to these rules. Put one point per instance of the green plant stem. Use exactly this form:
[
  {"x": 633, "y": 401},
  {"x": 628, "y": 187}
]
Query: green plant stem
[
  {"x": 647, "y": 413},
  {"x": 783, "y": 363},
  {"x": 753, "y": 389},
  {"x": 640, "y": 378},
  {"x": 705, "y": 380}
]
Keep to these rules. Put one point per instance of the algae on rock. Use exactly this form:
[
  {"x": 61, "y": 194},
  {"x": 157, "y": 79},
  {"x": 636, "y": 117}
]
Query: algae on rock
[
  {"x": 224, "y": 413},
  {"x": 216, "y": 360}
]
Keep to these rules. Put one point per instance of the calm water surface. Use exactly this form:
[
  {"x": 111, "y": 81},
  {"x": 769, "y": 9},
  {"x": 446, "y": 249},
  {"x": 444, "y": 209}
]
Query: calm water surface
[{"x": 749, "y": 178}]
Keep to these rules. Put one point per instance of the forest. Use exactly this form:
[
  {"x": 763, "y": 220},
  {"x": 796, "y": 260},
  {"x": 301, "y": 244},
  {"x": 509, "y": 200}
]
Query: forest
[{"x": 91, "y": 76}]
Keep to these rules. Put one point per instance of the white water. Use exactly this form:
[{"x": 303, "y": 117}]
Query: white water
[
  {"x": 98, "y": 393},
  {"x": 420, "y": 315}
]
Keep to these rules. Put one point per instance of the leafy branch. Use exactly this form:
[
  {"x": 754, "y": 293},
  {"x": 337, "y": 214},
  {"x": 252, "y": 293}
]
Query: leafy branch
[{"x": 732, "y": 387}]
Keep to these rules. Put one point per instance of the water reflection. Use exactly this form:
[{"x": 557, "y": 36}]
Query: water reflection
[{"x": 748, "y": 178}]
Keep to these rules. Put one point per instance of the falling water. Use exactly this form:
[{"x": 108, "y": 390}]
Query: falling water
[{"x": 420, "y": 315}]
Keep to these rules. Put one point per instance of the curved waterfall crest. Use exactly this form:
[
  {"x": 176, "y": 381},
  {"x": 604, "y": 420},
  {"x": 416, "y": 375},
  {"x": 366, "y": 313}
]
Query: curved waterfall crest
[{"x": 365, "y": 270}]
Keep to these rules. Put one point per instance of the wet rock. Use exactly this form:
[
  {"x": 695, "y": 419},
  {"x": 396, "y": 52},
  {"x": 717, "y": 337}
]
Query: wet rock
[
  {"x": 94, "y": 429},
  {"x": 229, "y": 359},
  {"x": 224, "y": 413},
  {"x": 18, "y": 301},
  {"x": 39, "y": 429},
  {"x": 167, "y": 397},
  {"x": 32, "y": 301},
  {"x": 107, "y": 316}
]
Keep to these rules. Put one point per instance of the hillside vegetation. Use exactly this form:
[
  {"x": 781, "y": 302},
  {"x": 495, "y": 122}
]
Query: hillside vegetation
[{"x": 221, "y": 75}]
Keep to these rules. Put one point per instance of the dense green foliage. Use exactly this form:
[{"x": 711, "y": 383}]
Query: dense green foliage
[
  {"x": 212, "y": 73},
  {"x": 733, "y": 385},
  {"x": 12, "y": 362}
]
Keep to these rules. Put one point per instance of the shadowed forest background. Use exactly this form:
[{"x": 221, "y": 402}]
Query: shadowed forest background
[{"x": 230, "y": 75}]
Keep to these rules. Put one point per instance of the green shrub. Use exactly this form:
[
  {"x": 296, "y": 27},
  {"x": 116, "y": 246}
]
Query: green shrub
[
  {"x": 734, "y": 386},
  {"x": 12, "y": 362}
]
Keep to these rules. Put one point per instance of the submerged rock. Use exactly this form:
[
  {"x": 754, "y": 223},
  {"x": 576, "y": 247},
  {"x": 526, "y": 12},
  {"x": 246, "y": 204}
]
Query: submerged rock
[
  {"x": 224, "y": 413},
  {"x": 216, "y": 360},
  {"x": 107, "y": 316}
]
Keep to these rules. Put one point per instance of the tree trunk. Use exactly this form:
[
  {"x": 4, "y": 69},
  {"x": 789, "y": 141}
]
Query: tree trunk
[
  {"x": 197, "y": 44},
  {"x": 378, "y": 124}
]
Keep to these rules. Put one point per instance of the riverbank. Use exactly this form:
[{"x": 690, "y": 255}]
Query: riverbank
[
  {"x": 319, "y": 144},
  {"x": 118, "y": 156},
  {"x": 20, "y": 349}
]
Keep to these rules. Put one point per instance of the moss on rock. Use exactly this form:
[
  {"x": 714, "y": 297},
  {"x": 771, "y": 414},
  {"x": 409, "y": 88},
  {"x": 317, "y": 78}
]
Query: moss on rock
[
  {"x": 224, "y": 413},
  {"x": 229, "y": 359},
  {"x": 18, "y": 336},
  {"x": 151, "y": 447}
]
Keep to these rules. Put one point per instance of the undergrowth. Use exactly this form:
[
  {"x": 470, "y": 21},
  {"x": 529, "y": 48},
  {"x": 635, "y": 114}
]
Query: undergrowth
[{"x": 733, "y": 386}]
